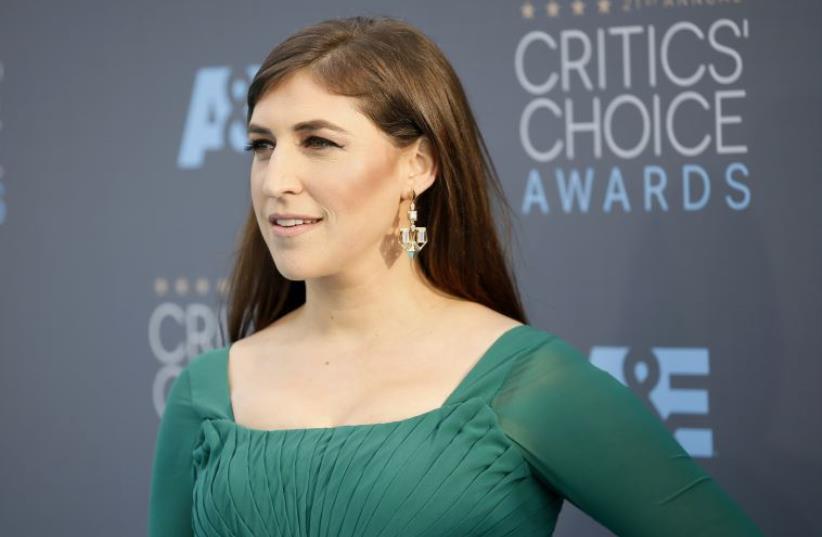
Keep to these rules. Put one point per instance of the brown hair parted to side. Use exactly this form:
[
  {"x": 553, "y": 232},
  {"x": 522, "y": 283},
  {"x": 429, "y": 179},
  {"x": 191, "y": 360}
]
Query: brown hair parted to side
[{"x": 407, "y": 87}]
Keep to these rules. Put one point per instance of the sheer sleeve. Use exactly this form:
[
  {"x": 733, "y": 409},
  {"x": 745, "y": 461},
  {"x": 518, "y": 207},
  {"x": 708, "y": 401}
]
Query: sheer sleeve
[
  {"x": 590, "y": 439},
  {"x": 172, "y": 479}
]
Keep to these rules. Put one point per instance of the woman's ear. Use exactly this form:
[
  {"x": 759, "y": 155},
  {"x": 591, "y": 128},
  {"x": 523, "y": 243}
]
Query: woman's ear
[{"x": 423, "y": 164}]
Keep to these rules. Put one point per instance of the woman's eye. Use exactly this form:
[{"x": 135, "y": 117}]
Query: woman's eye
[
  {"x": 316, "y": 141},
  {"x": 257, "y": 145}
]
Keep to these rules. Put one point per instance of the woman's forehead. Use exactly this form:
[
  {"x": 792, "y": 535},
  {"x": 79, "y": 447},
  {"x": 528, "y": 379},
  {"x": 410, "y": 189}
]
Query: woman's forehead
[{"x": 299, "y": 99}]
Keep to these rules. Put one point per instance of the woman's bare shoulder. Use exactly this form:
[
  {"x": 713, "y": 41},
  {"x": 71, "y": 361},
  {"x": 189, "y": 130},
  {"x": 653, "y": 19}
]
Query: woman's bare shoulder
[{"x": 478, "y": 315}]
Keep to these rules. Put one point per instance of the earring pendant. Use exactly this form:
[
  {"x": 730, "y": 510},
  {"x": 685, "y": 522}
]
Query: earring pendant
[{"x": 412, "y": 238}]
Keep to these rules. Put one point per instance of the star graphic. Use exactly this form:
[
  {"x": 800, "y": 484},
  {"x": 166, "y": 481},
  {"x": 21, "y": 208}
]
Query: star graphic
[
  {"x": 527, "y": 10},
  {"x": 604, "y": 6},
  {"x": 552, "y": 8},
  {"x": 578, "y": 7}
]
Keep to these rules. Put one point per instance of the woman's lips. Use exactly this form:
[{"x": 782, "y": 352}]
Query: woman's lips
[{"x": 293, "y": 231}]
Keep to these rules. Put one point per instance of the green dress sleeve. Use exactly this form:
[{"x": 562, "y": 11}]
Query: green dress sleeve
[
  {"x": 172, "y": 480},
  {"x": 591, "y": 440}
]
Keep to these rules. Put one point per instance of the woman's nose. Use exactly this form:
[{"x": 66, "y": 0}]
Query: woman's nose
[{"x": 281, "y": 174}]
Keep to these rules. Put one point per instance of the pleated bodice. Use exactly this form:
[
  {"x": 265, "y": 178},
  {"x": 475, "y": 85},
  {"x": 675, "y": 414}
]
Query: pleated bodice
[{"x": 449, "y": 471}]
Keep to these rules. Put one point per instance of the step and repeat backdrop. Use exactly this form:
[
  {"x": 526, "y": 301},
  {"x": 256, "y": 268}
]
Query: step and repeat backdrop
[{"x": 662, "y": 157}]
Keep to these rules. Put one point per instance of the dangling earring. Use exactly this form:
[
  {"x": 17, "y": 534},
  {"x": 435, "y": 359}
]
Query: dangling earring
[{"x": 412, "y": 238}]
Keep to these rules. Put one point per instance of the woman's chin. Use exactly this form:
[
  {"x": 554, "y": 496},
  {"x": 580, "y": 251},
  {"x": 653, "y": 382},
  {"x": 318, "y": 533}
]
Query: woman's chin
[{"x": 293, "y": 270}]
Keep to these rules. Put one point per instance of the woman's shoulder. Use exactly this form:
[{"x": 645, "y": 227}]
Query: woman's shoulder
[
  {"x": 476, "y": 317},
  {"x": 548, "y": 359},
  {"x": 208, "y": 358},
  {"x": 548, "y": 349},
  {"x": 206, "y": 367},
  {"x": 205, "y": 380},
  {"x": 534, "y": 345}
]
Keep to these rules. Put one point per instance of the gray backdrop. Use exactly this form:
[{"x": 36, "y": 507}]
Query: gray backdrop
[{"x": 663, "y": 158}]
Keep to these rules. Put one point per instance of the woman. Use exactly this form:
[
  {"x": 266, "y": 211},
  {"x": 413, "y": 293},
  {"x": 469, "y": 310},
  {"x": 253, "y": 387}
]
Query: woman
[{"x": 382, "y": 378}]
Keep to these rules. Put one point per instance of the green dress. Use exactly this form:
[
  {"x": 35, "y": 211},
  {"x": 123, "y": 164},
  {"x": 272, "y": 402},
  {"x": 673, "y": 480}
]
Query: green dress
[{"x": 532, "y": 424}]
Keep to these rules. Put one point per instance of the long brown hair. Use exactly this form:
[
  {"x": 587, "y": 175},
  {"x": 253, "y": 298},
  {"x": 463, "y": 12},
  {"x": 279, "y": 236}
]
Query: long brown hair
[{"x": 407, "y": 87}]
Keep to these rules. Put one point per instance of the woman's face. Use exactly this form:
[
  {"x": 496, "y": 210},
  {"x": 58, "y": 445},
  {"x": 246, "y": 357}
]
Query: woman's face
[{"x": 345, "y": 172}]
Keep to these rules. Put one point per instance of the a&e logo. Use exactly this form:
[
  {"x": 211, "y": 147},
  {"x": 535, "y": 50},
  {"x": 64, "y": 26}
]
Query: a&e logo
[
  {"x": 652, "y": 376},
  {"x": 215, "y": 117}
]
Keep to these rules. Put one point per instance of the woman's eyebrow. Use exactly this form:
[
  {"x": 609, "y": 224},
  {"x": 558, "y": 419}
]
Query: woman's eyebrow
[{"x": 303, "y": 126}]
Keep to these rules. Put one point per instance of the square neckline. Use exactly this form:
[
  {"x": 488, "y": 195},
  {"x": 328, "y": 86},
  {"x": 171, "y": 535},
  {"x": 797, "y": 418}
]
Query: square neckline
[{"x": 485, "y": 356}]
